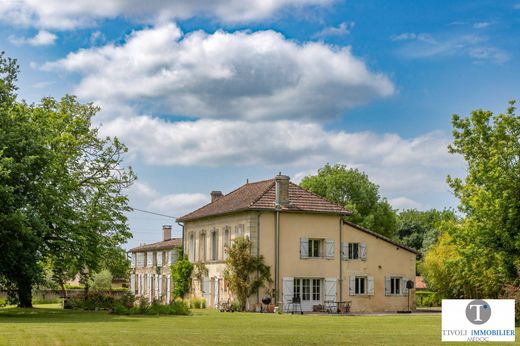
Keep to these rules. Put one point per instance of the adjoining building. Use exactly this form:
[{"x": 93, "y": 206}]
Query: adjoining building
[
  {"x": 315, "y": 254},
  {"x": 151, "y": 263}
]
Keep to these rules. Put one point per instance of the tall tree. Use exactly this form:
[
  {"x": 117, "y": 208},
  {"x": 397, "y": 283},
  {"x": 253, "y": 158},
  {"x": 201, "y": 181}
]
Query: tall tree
[
  {"x": 61, "y": 186},
  {"x": 353, "y": 190},
  {"x": 484, "y": 248},
  {"x": 420, "y": 229}
]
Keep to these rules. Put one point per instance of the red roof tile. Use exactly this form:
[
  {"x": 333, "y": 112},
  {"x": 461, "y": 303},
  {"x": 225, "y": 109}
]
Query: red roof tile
[{"x": 260, "y": 196}]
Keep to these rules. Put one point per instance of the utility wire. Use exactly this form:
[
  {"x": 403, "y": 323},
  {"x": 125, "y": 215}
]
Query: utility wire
[{"x": 151, "y": 212}]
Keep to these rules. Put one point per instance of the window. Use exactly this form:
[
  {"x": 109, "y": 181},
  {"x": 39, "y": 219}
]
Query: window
[
  {"x": 214, "y": 245},
  {"x": 239, "y": 231},
  {"x": 191, "y": 247},
  {"x": 202, "y": 244},
  {"x": 315, "y": 247},
  {"x": 296, "y": 289},
  {"x": 353, "y": 250},
  {"x": 160, "y": 257},
  {"x": 316, "y": 288},
  {"x": 306, "y": 289},
  {"x": 360, "y": 285},
  {"x": 149, "y": 259},
  {"x": 395, "y": 285},
  {"x": 226, "y": 242},
  {"x": 140, "y": 259}
]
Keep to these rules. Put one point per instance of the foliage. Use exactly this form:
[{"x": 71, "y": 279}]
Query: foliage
[
  {"x": 478, "y": 256},
  {"x": 174, "y": 308},
  {"x": 420, "y": 229},
  {"x": 427, "y": 299},
  {"x": 93, "y": 301},
  {"x": 245, "y": 273},
  {"x": 352, "y": 189},
  {"x": 116, "y": 262},
  {"x": 102, "y": 281},
  {"x": 197, "y": 303},
  {"x": 200, "y": 271},
  {"x": 61, "y": 189},
  {"x": 181, "y": 273},
  {"x": 512, "y": 291},
  {"x": 43, "y": 300}
]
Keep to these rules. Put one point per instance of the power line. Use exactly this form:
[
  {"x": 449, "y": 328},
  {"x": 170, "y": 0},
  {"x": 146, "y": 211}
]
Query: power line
[{"x": 151, "y": 212}]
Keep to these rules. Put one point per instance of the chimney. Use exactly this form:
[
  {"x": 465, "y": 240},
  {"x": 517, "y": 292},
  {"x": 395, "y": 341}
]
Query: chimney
[
  {"x": 282, "y": 190},
  {"x": 167, "y": 232},
  {"x": 216, "y": 195}
]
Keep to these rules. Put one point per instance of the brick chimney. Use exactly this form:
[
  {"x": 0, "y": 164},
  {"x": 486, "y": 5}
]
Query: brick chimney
[
  {"x": 282, "y": 190},
  {"x": 216, "y": 195},
  {"x": 167, "y": 232}
]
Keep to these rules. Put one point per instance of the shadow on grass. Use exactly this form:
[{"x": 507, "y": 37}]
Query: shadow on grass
[{"x": 57, "y": 315}]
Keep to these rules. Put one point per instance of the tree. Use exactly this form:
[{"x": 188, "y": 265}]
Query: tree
[
  {"x": 352, "y": 189},
  {"x": 484, "y": 248},
  {"x": 102, "y": 281},
  {"x": 420, "y": 229},
  {"x": 61, "y": 187},
  {"x": 245, "y": 273},
  {"x": 181, "y": 275}
]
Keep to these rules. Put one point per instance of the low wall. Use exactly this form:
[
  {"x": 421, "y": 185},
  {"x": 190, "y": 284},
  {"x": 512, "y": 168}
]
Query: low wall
[{"x": 53, "y": 294}]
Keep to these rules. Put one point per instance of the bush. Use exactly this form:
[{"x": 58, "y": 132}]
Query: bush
[
  {"x": 40, "y": 301},
  {"x": 93, "y": 301},
  {"x": 102, "y": 281},
  {"x": 156, "y": 308},
  {"x": 197, "y": 303},
  {"x": 427, "y": 299}
]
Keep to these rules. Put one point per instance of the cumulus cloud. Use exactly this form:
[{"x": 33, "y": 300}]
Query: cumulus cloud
[
  {"x": 179, "y": 204},
  {"x": 42, "y": 38},
  {"x": 404, "y": 203},
  {"x": 248, "y": 75},
  {"x": 400, "y": 164},
  {"x": 58, "y": 14}
]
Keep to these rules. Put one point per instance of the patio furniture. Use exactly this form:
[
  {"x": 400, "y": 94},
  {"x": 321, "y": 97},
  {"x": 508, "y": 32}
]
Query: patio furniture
[
  {"x": 343, "y": 307},
  {"x": 329, "y": 306},
  {"x": 295, "y": 305}
]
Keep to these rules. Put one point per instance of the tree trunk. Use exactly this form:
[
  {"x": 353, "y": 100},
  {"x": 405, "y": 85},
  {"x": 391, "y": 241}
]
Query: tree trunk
[
  {"x": 63, "y": 290},
  {"x": 24, "y": 294}
]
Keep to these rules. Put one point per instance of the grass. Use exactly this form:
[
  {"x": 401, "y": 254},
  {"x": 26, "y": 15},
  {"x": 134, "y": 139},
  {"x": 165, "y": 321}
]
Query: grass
[{"x": 49, "y": 325}]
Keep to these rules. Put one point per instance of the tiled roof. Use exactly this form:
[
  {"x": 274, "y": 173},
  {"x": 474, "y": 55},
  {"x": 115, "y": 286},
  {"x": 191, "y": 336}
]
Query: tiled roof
[
  {"x": 161, "y": 245},
  {"x": 260, "y": 196},
  {"x": 380, "y": 236},
  {"x": 420, "y": 284}
]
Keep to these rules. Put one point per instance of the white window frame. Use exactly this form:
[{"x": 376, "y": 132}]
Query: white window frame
[
  {"x": 360, "y": 282},
  {"x": 315, "y": 244}
]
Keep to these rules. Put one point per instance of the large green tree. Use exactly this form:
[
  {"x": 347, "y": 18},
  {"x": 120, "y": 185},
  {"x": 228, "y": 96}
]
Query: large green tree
[
  {"x": 485, "y": 246},
  {"x": 353, "y": 190},
  {"x": 61, "y": 187},
  {"x": 420, "y": 229}
]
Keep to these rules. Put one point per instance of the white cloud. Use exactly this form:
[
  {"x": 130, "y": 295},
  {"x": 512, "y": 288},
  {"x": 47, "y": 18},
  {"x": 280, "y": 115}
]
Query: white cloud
[
  {"x": 179, "y": 204},
  {"x": 399, "y": 164},
  {"x": 248, "y": 75},
  {"x": 58, "y": 14},
  {"x": 404, "y": 203},
  {"x": 418, "y": 46},
  {"x": 340, "y": 30},
  {"x": 481, "y": 25},
  {"x": 42, "y": 38}
]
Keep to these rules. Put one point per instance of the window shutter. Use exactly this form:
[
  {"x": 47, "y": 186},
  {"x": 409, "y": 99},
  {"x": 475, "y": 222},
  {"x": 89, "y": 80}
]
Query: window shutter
[
  {"x": 216, "y": 293},
  {"x": 159, "y": 258},
  {"x": 329, "y": 248},
  {"x": 304, "y": 247},
  {"x": 149, "y": 259},
  {"x": 159, "y": 287},
  {"x": 132, "y": 283},
  {"x": 352, "y": 285},
  {"x": 370, "y": 285},
  {"x": 387, "y": 285},
  {"x": 174, "y": 256},
  {"x": 288, "y": 290},
  {"x": 404, "y": 290},
  {"x": 168, "y": 289},
  {"x": 205, "y": 290},
  {"x": 330, "y": 289},
  {"x": 344, "y": 251},
  {"x": 363, "y": 251}
]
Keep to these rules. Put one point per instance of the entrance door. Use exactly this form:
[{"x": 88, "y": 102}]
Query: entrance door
[{"x": 309, "y": 290}]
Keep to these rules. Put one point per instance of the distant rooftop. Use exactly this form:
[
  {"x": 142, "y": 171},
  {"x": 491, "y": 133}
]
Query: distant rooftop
[{"x": 161, "y": 245}]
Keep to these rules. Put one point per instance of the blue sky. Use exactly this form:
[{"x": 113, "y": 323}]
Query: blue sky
[{"x": 207, "y": 94}]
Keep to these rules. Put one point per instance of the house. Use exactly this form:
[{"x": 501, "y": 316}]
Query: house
[
  {"x": 313, "y": 251},
  {"x": 150, "y": 276}
]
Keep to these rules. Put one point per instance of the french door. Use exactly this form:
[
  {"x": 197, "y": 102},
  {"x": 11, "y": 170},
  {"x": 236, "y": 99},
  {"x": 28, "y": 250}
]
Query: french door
[{"x": 309, "y": 290}]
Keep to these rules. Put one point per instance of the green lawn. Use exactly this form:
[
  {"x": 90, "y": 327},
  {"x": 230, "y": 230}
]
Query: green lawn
[{"x": 49, "y": 325}]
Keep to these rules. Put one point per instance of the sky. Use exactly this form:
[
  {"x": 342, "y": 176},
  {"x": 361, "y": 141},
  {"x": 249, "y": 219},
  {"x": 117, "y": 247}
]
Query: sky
[{"x": 207, "y": 94}]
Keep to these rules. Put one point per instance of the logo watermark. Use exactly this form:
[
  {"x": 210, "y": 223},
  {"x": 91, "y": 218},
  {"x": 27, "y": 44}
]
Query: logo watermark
[{"x": 478, "y": 320}]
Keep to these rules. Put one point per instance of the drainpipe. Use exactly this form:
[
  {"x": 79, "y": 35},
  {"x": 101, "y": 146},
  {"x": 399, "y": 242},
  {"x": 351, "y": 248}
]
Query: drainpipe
[
  {"x": 340, "y": 260},
  {"x": 277, "y": 255},
  {"x": 257, "y": 250}
]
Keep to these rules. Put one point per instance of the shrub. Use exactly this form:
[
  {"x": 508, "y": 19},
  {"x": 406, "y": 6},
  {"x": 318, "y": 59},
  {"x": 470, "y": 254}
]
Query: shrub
[
  {"x": 40, "y": 301},
  {"x": 181, "y": 274},
  {"x": 93, "y": 301},
  {"x": 156, "y": 308},
  {"x": 102, "y": 281},
  {"x": 427, "y": 299},
  {"x": 197, "y": 303}
]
